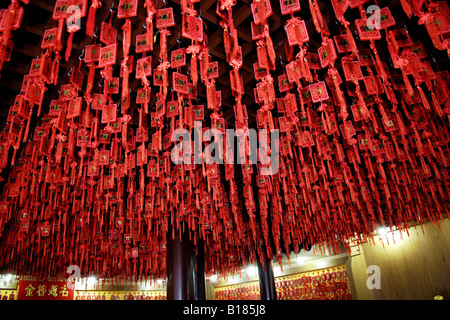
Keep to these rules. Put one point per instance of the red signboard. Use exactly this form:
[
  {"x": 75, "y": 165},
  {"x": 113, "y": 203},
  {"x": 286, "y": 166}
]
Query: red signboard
[{"x": 44, "y": 290}]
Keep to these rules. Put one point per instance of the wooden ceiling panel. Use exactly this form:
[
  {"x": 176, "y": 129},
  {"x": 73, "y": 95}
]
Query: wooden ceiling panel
[{"x": 38, "y": 17}]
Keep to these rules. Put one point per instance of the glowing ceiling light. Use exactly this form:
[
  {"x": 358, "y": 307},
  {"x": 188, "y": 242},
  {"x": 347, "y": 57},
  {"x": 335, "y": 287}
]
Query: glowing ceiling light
[
  {"x": 91, "y": 280},
  {"x": 251, "y": 271}
]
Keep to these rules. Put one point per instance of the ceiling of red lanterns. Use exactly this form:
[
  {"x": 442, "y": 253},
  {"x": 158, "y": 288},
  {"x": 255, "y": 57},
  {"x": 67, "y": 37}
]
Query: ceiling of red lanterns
[{"x": 363, "y": 118}]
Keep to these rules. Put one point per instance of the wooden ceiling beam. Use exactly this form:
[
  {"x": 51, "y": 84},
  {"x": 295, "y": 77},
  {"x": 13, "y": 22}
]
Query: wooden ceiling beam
[
  {"x": 28, "y": 50},
  {"x": 44, "y": 5},
  {"x": 243, "y": 13},
  {"x": 20, "y": 68},
  {"x": 37, "y": 29},
  {"x": 205, "y": 5}
]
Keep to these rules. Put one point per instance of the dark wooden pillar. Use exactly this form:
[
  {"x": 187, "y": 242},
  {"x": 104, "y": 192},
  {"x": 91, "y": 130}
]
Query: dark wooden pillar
[
  {"x": 180, "y": 266},
  {"x": 266, "y": 280},
  {"x": 199, "y": 275}
]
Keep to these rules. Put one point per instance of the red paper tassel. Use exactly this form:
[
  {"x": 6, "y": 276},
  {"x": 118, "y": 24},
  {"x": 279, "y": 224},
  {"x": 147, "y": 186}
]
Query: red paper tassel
[
  {"x": 55, "y": 71},
  {"x": 407, "y": 8},
  {"x": 408, "y": 85},
  {"x": 90, "y": 24},
  {"x": 149, "y": 33},
  {"x": 270, "y": 50},
  {"x": 163, "y": 45},
  {"x": 7, "y": 21},
  {"x": 69, "y": 45},
  {"x": 424, "y": 98},
  {"x": 351, "y": 40},
  {"x": 381, "y": 70},
  {"x": 437, "y": 106},
  {"x": 316, "y": 15},
  {"x": 126, "y": 38},
  {"x": 193, "y": 71}
]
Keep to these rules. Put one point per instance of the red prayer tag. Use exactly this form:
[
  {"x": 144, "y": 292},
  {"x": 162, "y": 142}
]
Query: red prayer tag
[
  {"x": 158, "y": 77},
  {"x": 419, "y": 50},
  {"x": 257, "y": 31},
  {"x": 386, "y": 18},
  {"x": 313, "y": 60},
  {"x": 284, "y": 84},
  {"x": 15, "y": 126},
  {"x": 219, "y": 98},
  {"x": 318, "y": 91},
  {"x": 112, "y": 86},
  {"x": 74, "y": 109},
  {"x": 293, "y": 71},
  {"x": 39, "y": 133},
  {"x": 15, "y": 23},
  {"x": 263, "y": 59},
  {"x": 172, "y": 108},
  {"x": 371, "y": 84},
  {"x": 57, "y": 106},
  {"x": 49, "y": 39},
  {"x": 8, "y": 50},
  {"x": 93, "y": 169},
  {"x": 178, "y": 58},
  {"x": 306, "y": 95},
  {"x": 354, "y": 3},
  {"x": 109, "y": 113},
  {"x": 192, "y": 91},
  {"x": 60, "y": 11},
  {"x": 352, "y": 70},
  {"x": 259, "y": 72},
  {"x": 327, "y": 54},
  {"x": 180, "y": 82},
  {"x": 440, "y": 23},
  {"x": 160, "y": 107},
  {"x": 98, "y": 101},
  {"x": 281, "y": 105},
  {"x": 261, "y": 10},
  {"x": 83, "y": 139},
  {"x": 108, "y": 55},
  {"x": 103, "y": 157},
  {"x": 67, "y": 92},
  {"x": 390, "y": 124},
  {"x": 141, "y": 44},
  {"x": 365, "y": 32},
  {"x": 399, "y": 38},
  {"x": 297, "y": 33},
  {"x": 289, "y": 6},
  {"x": 92, "y": 53},
  {"x": 142, "y": 96},
  {"x": 117, "y": 125},
  {"x": 127, "y": 9},
  {"x": 347, "y": 129},
  {"x": 164, "y": 18},
  {"x": 108, "y": 35},
  {"x": 144, "y": 67},
  {"x": 365, "y": 57},
  {"x": 357, "y": 112},
  {"x": 213, "y": 70},
  {"x": 199, "y": 112},
  {"x": 427, "y": 71},
  {"x": 192, "y": 28},
  {"x": 342, "y": 3},
  {"x": 76, "y": 78},
  {"x": 104, "y": 137},
  {"x": 342, "y": 43}
]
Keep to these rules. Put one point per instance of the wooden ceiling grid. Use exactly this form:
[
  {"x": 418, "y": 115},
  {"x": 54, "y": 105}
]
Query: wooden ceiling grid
[{"x": 38, "y": 17}]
